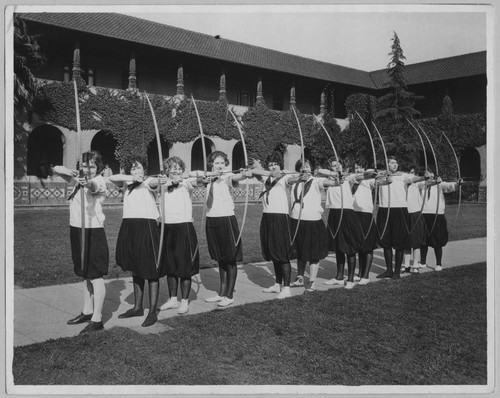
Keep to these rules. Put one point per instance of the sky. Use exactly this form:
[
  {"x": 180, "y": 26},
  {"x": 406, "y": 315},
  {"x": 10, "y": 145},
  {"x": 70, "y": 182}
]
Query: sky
[{"x": 337, "y": 35}]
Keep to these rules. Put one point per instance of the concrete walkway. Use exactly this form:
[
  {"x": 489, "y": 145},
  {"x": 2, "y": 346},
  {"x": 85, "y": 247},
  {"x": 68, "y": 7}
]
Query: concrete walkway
[{"x": 41, "y": 313}]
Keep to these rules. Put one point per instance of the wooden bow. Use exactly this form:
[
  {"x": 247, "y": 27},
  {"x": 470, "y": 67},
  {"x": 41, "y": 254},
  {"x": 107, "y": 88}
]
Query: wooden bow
[
  {"x": 162, "y": 172},
  {"x": 388, "y": 188},
  {"x": 82, "y": 191},
  {"x": 372, "y": 221},
  {"x": 459, "y": 178},
  {"x": 436, "y": 177},
  {"x": 341, "y": 190},
  {"x": 202, "y": 137},
  {"x": 302, "y": 156},
  {"x": 426, "y": 168},
  {"x": 246, "y": 179}
]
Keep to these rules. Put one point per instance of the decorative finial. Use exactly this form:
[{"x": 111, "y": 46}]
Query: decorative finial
[
  {"x": 222, "y": 89},
  {"x": 180, "y": 80},
  {"x": 322, "y": 107},
  {"x": 76, "y": 61},
  {"x": 132, "y": 79},
  {"x": 292, "y": 97},
  {"x": 260, "y": 96}
]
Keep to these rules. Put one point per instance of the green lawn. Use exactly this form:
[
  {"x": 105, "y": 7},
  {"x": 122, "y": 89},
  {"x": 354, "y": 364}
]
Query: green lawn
[
  {"x": 427, "y": 329},
  {"x": 42, "y": 250}
]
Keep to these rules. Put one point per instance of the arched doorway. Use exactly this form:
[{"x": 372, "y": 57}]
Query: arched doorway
[
  {"x": 238, "y": 158},
  {"x": 197, "y": 153},
  {"x": 153, "y": 158},
  {"x": 470, "y": 164},
  {"x": 105, "y": 144},
  {"x": 45, "y": 149}
]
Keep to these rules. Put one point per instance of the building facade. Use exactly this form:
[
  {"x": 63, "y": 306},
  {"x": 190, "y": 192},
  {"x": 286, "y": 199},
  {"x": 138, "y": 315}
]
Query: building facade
[{"x": 119, "y": 52}]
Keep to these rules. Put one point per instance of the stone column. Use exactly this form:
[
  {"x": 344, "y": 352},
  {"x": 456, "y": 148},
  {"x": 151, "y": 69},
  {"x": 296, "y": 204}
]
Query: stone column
[
  {"x": 180, "y": 80},
  {"x": 222, "y": 89},
  {"x": 322, "y": 107},
  {"x": 132, "y": 77},
  {"x": 77, "y": 71},
  {"x": 260, "y": 95}
]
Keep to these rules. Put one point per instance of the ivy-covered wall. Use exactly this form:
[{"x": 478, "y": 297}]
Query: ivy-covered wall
[
  {"x": 126, "y": 115},
  {"x": 463, "y": 131}
]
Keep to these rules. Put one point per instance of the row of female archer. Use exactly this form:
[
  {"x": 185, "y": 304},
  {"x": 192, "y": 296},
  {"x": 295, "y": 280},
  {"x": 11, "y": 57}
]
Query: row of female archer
[{"x": 285, "y": 234}]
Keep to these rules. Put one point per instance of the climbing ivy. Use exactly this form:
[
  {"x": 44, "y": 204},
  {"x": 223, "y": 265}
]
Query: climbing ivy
[
  {"x": 463, "y": 131},
  {"x": 125, "y": 115}
]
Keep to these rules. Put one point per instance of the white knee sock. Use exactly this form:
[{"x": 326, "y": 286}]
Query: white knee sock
[
  {"x": 416, "y": 256},
  {"x": 313, "y": 271},
  {"x": 99, "y": 295},
  {"x": 407, "y": 260}
]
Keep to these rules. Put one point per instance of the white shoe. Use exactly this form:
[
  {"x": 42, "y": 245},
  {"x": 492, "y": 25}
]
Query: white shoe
[
  {"x": 419, "y": 266},
  {"x": 170, "y": 304},
  {"x": 357, "y": 278},
  {"x": 438, "y": 268},
  {"x": 334, "y": 281},
  {"x": 298, "y": 282},
  {"x": 285, "y": 293},
  {"x": 364, "y": 281},
  {"x": 349, "y": 285},
  {"x": 214, "y": 299},
  {"x": 225, "y": 302},
  {"x": 276, "y": 288},
  {"x": 183, "y": 307}
]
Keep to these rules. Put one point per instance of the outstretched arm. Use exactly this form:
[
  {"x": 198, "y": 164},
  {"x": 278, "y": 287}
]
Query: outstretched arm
[
  {"x": 245, "y": 173},
  {"x": 121, "y": 179},
  {"x": 65, "y": 173}
]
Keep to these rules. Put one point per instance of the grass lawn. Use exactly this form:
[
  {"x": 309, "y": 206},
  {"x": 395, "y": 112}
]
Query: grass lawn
[
  {"x": 42, "y": 254},
  {"x": 428, "y": 329}
]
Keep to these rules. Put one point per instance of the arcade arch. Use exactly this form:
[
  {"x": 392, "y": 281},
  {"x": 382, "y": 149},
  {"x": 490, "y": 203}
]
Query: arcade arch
[
  {"x": 45, "y": 149},
  {"x": 470, "y": 164},
  {"x": 152, "y": 153},
  {"x": 197, "y": 153},
  {"x": 105, "y": 144},
  {"x": 238, "y": 158}
]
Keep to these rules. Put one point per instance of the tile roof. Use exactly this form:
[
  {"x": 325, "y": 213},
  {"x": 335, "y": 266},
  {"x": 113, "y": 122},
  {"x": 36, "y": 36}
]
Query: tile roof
[
  {"x": 136, "y": 30},
  {"x": 438, "y": 69}
]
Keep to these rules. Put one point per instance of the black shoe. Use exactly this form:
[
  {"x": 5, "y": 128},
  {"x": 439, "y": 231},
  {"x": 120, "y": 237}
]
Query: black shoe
[
  {"x": 131, "y": 313},
  {"x": 92, "y": 327},
  {"x": 396, "y": 276},
  {"x": 150, "y": 319},
  {"x": 80, "y": 319},
  {"x": 385, "y": 274}
]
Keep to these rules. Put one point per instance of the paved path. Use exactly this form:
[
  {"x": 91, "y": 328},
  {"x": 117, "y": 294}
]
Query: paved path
[{"x": 41, "y": 313}]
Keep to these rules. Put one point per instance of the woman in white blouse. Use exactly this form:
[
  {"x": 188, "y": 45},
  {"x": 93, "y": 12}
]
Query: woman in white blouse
[
  {"x": 181, "y": 255},
  {"x": 96, "y": 253},
  {"x": 138, "y": 239}
]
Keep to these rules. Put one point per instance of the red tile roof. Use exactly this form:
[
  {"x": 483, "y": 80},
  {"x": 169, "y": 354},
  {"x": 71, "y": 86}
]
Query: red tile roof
[{"x": 136, "y": 30}]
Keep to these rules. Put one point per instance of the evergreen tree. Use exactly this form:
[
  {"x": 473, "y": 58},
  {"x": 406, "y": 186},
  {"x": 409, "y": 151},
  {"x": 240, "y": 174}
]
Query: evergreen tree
[
  {"x": 397, "y": 106},
  {"x": 27, "y": 55},
  {"x": 398, "y": 103}
]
